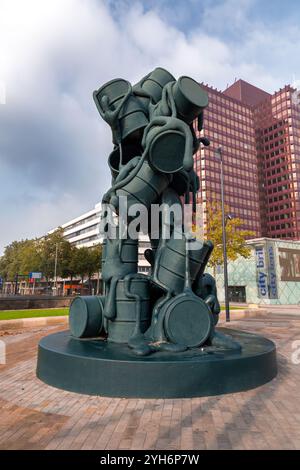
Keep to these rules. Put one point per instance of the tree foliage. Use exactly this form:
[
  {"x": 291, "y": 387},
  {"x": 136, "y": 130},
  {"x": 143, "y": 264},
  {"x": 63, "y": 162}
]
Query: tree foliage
[
  {"x": 47, "y": 248},
  {"x": 86, "y": 261},
  {"x": 22, "y": 257},
  {"x": 236, "y": 236},
  {"x": 15, "y": 258}
]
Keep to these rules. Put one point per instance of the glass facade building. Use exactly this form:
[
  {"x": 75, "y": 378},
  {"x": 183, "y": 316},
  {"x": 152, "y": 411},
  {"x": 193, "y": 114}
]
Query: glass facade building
[
  {"x": 270, "y": 276},
  {"x": 260, "y": 138}
]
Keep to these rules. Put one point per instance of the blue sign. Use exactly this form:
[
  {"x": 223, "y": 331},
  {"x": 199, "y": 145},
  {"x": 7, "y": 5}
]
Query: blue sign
[
  {"x": 262, "y": 277},
  {"x": 273, "y": 292},
  {"x": 35, "y": 275},
  {"x": 266, "y": 272},
  {"x": 1, "y": 281}
]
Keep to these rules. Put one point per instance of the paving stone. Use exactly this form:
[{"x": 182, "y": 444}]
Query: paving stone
[{"x": 36, "y": 416}]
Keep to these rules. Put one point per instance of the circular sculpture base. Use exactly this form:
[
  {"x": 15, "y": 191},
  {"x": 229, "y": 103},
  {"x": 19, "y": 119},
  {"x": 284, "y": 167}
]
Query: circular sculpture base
[{"x": 98, "y": 367}]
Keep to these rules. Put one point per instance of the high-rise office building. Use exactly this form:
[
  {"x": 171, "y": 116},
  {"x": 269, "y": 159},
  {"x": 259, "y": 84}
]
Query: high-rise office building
[{"x": 260, "y": 138}]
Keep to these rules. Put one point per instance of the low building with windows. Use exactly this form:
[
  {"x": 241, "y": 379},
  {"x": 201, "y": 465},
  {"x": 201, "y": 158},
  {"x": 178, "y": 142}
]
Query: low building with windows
[
  {"x": 85, "y": 231},
  {"x": 271, "y": 275}
]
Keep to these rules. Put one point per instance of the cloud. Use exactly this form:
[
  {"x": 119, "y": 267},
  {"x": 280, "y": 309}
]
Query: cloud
[{"x": 53, "y": 143}]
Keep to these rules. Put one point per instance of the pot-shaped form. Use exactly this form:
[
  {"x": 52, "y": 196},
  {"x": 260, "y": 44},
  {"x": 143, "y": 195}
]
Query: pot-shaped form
[
  {"x": 180, "y": 182},
  {"x": 132, "y": 119},
  {"x": 171, "y": 270},
  {"x": 187, "y": 320},
  {"x": 155, "y": 82},
  {"x": 166, "y": 151},
  {"x": 145, "y": 187},
  {"x": 86, "y": 316},
  {"x": 114, "y": 262},
  {"x": 190, "y": 98},
  {"x": 119, "y": 107},
  {"x": 122, "y": 327},
  {"x": 114, "y": 90},
  {"x": 129, "y": 151}
]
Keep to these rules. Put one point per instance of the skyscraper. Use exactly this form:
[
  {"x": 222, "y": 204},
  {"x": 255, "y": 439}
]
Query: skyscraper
[{"x": 260, "y": 138}]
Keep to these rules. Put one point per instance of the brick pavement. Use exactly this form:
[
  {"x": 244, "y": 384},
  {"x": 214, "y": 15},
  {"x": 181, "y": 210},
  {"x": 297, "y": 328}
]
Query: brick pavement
[{"x": 36, "y": 416}]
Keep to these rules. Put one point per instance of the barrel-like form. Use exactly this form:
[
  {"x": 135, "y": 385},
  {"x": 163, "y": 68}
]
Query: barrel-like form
[
  {"x": 171, "y": 271},
  {"x": 132, "y": 119},
  {"x": 145, "y": 187},
  {"x": 86, "y": 316},
  {"x": 128, "y": 256},
  {"x": 190, "y": 98},
  {"x": 187, "y": 320},
  {"x": 180, "y": 182},
  {"x": 129, "y": 151},
  {"x": 122, "y": 327},
  {"x": 154, "y": 84},
  {"x": 114, "y": 90},
  {"x": 132, "y": 116},
  {"x": 166, "y": 151}
]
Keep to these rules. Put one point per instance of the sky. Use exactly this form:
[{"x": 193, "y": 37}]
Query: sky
[{"x": 54, "y": 54}]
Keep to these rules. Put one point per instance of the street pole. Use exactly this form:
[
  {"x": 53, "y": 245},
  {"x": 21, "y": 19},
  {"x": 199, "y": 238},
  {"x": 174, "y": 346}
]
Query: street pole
[
  {"x": 227, "y": 310},
  {"x": 98, "y": 283},
  {"x": 55, "y": 268},
  {"x": 16, "y": 283}
]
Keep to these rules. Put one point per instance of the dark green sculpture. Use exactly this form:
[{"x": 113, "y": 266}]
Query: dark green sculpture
[
  {"x": 176, "y": 306},
  {"x": 153, "y": 335}
]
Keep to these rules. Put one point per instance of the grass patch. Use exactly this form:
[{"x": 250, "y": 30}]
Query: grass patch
[
  {"x": 49, "y": 312},
  {"x": 233, "y": 308},
  {"x": 33, "y": 313}
]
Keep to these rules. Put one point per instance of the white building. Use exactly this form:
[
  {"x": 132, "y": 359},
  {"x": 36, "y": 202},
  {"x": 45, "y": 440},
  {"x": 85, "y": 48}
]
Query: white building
[{"x": 84, "y": 231}]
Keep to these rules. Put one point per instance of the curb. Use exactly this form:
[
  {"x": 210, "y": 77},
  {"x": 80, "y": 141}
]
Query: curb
[
  {"x": 243, "y": 314},
  {"x": 32, "y": 322}
]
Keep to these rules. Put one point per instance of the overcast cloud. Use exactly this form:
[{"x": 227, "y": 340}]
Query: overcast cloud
[{"x": 53, "y": 54}]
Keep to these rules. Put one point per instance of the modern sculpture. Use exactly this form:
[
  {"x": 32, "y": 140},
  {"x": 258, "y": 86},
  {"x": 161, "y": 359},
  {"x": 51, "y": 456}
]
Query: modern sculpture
[{"x": 153, "y": 335}]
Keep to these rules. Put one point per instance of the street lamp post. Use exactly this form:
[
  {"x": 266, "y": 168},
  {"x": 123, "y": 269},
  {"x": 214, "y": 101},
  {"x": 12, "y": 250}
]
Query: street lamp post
[
  {"x": 227, "y": 310},
  {"x": 55, "y": 268},
  {"x": 16, "y": 283}
]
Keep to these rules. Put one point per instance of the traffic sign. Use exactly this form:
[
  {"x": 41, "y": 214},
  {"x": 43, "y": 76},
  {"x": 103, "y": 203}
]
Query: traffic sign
[{"x": 35, "y": 275}]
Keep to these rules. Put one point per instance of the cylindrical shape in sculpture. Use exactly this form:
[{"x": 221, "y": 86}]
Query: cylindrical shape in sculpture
[
  {"x": 129, "y": 151},
  {"x": 187, "y": 320},
  {"x": 131, "y": 119},
  {"x": 190, "y": 98},
  {"x": 86, "y": 316},
  {"x": 111, "y": 259},
  {"x": 122, "y": 327},
  {"x": 166, "y": 150},
  {"x": 171, "y": 271},
  {"x": 145, "y": 187},
  {"x": 154, "y": 84}
]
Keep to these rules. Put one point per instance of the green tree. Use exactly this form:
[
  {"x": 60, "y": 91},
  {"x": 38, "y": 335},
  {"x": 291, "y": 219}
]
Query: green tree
[
  {"x": 86, "y": 262},
  {"x": 30, "y": 257},
  {"x": 47, "y": 248},
  {"x": 19, "y": 257},
  {"x": 236, "y": 236},
  {"x": 68, "y": 265}
]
